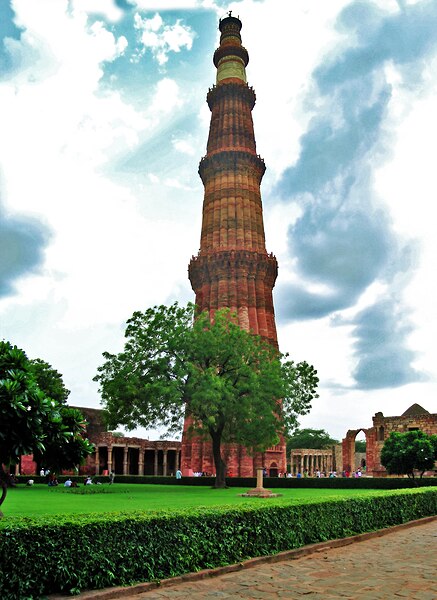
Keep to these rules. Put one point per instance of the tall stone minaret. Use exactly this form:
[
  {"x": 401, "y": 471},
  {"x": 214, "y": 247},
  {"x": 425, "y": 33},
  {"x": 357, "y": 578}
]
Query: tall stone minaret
[{"x": 233, "y": 268}]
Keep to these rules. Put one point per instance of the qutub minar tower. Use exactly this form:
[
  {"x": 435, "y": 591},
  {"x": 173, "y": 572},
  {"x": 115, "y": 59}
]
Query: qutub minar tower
[{"x": 233, "y": 268}]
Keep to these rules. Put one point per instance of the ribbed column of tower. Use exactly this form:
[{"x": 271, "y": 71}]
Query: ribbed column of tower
[{"x": 233, "y": 268}]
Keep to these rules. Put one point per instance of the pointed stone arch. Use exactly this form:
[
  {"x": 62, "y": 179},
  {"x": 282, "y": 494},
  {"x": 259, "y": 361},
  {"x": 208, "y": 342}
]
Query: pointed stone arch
[{"x": 348, "y": 448}]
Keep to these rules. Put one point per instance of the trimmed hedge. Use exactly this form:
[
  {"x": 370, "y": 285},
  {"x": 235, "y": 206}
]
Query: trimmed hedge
[{"x": 69, "y": 554}]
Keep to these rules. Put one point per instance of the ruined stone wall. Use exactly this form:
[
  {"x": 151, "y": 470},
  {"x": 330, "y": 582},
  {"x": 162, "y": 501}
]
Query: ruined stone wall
[
  {"x": 383, "y": 426},
  {"x": 376, "y": 436}
]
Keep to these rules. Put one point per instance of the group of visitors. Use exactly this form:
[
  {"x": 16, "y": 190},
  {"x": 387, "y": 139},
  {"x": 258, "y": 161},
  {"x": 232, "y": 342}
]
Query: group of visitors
[
  {"x": 319, "y": 473},
  {"x": 51, "y": 478}
]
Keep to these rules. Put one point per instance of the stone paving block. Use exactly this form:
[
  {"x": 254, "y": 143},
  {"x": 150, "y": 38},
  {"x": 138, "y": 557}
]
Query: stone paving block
[{"x": 425, "y": 596}]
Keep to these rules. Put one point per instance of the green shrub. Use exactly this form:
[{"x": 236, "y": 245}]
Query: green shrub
[{"x": 69, "y": 554}]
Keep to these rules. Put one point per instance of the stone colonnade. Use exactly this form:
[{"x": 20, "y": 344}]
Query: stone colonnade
[
  {"x": 132, "y": 456},
  {"x": 134, "y": 460},
  {"x": 310, "y": 461}
]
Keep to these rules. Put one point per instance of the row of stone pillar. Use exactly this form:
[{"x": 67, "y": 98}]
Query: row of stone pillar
[
  {"x": 141, "y": 455},
  {"x": 311, "y": 463}
]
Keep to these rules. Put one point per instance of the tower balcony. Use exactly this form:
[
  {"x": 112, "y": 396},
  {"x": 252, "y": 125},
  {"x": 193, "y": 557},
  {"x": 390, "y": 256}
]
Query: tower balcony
[
  {"x": 231, "y": 90},
  {"x": 231, "y": 160}
]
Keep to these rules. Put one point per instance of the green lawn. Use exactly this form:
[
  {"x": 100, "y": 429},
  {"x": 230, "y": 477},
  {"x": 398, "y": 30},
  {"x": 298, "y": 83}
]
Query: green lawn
[{"x": 41, "y": 500}]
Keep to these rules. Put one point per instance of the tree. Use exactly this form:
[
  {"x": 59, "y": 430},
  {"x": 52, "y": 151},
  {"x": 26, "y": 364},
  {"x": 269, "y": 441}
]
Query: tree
[
  {"x": 317, "y": 439},
  {"x": 29, "y": 417},
  {"x": 66, "y": 445},
  {"x": 49, "y": 380},
  {"x": 403, "y": 453},
  {"x": 226, "y": 380},
  {"x": 25, "y": 409}
]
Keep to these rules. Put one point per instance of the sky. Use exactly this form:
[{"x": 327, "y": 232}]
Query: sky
[{"x": 103, "y": 121}]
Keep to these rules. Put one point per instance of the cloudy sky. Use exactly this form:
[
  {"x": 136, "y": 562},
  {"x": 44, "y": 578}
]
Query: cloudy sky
[{"x": 103, "y": 121}]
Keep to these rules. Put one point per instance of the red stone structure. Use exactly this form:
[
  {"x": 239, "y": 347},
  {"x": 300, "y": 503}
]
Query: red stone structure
[
  {"x": 413, "y": 418},
  {"x": 122, "y": 455},
  {"x": 233, "y": 268}
]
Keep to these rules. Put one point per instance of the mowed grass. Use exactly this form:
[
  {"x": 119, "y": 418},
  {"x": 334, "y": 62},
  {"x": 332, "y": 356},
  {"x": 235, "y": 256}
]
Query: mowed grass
[{"x": 40, "y": 500}]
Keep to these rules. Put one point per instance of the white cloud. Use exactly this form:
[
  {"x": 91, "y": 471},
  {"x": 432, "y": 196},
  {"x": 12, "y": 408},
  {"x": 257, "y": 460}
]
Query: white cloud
[
  {"x": 105, "y": 8},
  {"x": 166, "y": 97},
  {"x": 185, "y": 146},
  {"x": 162, "y": 39},
  {"x": 164, "y": 4}
]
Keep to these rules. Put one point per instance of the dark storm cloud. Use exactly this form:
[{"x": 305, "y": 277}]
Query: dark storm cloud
[
  {"x": 22, "y": 242},
  {"x": 406, "y": 38},
  {"x": 329, "y": 150},
  {"x": 383, "y": 360},
  {"x": 343, "y": 240},
  {"x": 346, "y": 254}
]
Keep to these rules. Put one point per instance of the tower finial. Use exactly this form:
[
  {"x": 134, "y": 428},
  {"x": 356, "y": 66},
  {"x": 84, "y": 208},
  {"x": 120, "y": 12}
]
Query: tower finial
[{"x": 231, "y": 57}]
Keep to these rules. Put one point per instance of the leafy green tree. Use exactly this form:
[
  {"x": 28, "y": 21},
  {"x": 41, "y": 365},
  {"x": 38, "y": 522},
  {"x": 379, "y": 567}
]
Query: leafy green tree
[
  {"x": 25, "y": 410},
  {"x": 404, "y": 453},
  {"x": 66, "y": 445},
  {"x": 30, "y": 419},
  {"x": 317, "y": 439},
  {"x": 49, "y": 380},
  {"x": 226, "y": 380}
]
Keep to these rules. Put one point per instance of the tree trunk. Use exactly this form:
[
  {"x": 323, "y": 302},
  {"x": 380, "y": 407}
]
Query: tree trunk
[
  {"x": 4, "y": 487},
  {"x": 220, "y": 465}
]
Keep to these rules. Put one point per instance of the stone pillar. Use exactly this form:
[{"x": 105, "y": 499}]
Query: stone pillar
[
  {"x": 125, "y": 460},
  {"x": 97, "y": 461},
  {"x": 109, "y": 458},
  {"x": 155, "y": 466},
  {"x": 141, "y": 452},
  {"x": 176, "y": 460},
  {"x": 164, "y": 469},
  {"x": 259, "y": 477}
]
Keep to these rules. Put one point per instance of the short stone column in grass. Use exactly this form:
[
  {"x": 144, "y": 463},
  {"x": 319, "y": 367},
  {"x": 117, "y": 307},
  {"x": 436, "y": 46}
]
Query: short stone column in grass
[{"x": 259, "y": 491}]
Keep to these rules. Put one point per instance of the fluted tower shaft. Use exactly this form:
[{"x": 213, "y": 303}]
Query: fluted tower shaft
[{"x": 233, "y": 268}]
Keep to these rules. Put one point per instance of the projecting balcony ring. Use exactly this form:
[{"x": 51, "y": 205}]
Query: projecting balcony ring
[
  {"x": 224, "y": 51},
  {"x": 231, "y": 90},
  {"x": 227, "y": 160}
]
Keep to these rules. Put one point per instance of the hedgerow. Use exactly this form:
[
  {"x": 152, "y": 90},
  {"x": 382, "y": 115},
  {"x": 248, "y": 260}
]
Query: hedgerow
[{"x": 69, "y": 554}]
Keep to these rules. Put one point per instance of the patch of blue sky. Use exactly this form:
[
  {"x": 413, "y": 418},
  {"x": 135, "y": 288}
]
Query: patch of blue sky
[
  {"x": 8, "y": 29},
  {"x": 135, "y": 73},
  {"x": 157, "y": 153}
]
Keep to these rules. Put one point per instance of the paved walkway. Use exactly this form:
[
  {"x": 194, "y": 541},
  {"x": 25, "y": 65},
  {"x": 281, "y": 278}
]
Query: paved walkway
[{"x": 401, "y": 564}]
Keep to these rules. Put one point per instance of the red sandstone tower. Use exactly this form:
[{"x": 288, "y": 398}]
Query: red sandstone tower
[{"x": 233, "y": 268}]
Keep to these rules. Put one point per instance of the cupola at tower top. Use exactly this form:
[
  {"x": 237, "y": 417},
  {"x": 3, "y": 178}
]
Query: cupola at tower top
[{"x": 230, "y": 58}]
